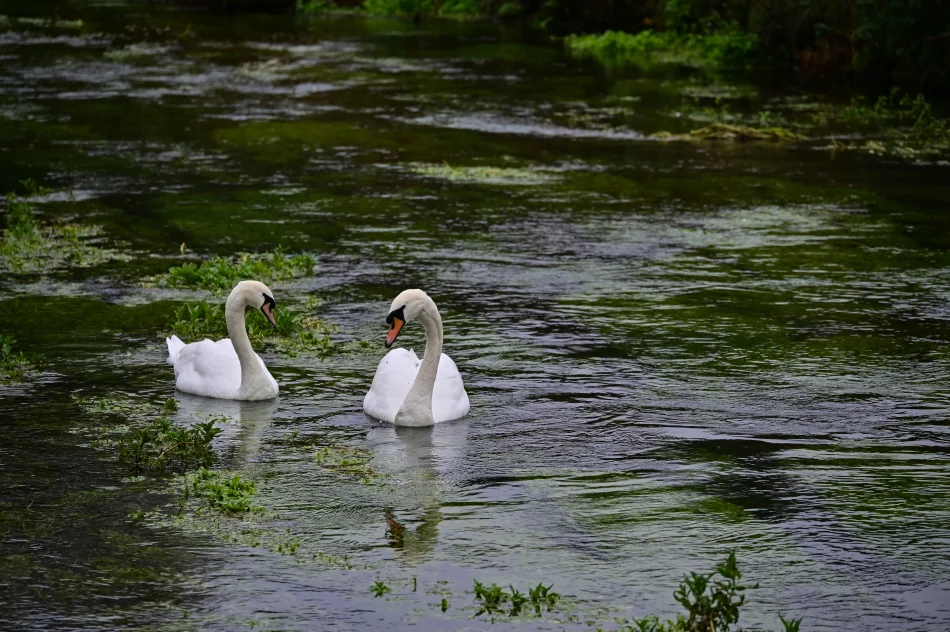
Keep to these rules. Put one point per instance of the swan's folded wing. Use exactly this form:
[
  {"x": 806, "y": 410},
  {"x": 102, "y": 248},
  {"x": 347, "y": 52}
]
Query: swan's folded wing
[
  {"x": 394, "y": 377},
  {"x": 208, "y": 368},
  {"x": 449, "y": 399}
]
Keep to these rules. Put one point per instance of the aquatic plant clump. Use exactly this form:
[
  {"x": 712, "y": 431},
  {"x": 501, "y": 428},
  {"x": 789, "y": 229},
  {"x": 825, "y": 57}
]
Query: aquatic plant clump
[
  {"x": 14, "y": 365},
  {"x": 28, "y": 246},
  {"x": 494, "y": 599},
  {"x": 163, "y": 447},
  {"x": 712, "y": 604},
  {"x": 728, "y": 49},
  {"x": 221, "y": 274},
  {"x": 298, "y": 332},
  {"x": 220, "y": 491}
]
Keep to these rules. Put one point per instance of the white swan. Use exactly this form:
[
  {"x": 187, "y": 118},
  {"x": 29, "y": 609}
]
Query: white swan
[
  {"x": 229, "y": 368},
  {"x": 405, "y": 391}
]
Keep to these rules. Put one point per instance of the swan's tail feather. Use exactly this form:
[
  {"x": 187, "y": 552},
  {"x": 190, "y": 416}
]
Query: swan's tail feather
[{"x": 175, "y": 345}]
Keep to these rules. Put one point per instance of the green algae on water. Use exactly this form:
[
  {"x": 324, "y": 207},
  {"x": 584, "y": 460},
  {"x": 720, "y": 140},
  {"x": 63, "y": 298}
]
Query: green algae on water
[
  {"x": 29, "y": 246},
  {"x": 481, "y": 175}
]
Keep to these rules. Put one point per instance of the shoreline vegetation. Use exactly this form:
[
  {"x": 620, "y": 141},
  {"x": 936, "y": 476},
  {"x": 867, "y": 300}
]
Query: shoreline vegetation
[{"x": 875, "y": 43}]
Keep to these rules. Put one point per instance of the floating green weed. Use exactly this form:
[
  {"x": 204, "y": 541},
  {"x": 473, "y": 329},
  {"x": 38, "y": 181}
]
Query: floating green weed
[
  {"x": 298, "y": 332},
  {"x": 482, "y": 175},
  {"x": 730, "y": 132},
  {"x": 221, "y": 274},
  {"x": 14, "y": 365},
  {"x": 380, "y": 588},
  {"x": 164, "y": 447},
  {"x": 28, "y": 246},
  {"x": 220, "y": 491}
]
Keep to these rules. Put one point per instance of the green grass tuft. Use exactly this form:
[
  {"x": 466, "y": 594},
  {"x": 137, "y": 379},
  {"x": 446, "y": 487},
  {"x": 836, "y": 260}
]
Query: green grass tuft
[{"x": 221, "y": 274}]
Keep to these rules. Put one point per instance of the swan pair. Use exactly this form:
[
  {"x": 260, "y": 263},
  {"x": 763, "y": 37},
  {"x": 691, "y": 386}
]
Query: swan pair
[{"x": 405, "y": 390}]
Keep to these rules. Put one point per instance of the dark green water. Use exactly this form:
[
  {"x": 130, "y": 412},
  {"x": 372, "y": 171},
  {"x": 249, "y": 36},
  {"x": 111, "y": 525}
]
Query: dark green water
[{"x": 672, "y": 350}]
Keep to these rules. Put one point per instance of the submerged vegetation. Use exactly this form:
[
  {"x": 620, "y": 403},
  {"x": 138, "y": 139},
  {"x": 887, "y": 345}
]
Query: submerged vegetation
[
  {"x": 221, "y": 274},
  {"x": 29, "y": 246},
  {"x": 298, "y": 332},
  {"x": 14, "y": 365}
]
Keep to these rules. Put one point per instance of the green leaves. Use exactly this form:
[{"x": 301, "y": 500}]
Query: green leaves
[
  {"x": 163, "y": 447},
  {"x": 221, "y": 274},
  {"x": 14, "y": 366},
  {"x": 221, "y": 491},
  {"x": 380, "y": 588},
  {"x": 495, "y": 600}
]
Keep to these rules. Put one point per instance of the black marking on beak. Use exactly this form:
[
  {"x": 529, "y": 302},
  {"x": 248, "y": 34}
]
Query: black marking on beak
[
  {"x": 396, "y": 313},
  {"x": 268, "y": 309}
]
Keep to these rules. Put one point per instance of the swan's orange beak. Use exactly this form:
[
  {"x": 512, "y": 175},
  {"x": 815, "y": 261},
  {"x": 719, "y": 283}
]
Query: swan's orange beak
[
  {"x": 394, "y": 328},
  {"x": 269, "y": 314}
]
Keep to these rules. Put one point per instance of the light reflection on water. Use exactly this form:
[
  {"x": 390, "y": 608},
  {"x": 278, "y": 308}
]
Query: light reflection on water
[{"x": 671, "y": 351}]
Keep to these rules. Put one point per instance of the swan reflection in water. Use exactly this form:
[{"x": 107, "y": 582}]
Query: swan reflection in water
[
  {"x": 246, "y": 422},
  {"x": 425, "y": 461}
]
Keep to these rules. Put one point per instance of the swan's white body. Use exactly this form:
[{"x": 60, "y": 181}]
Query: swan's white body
[
  {"x": 225, "y": 369},
  {"x": 407, "y": 391}
]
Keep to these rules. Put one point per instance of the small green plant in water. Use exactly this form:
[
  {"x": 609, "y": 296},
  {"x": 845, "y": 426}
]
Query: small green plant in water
[
  {"x": 164, "y": 447},
  {"x": 14, "y": 365},
  {"x": 221, "y": 274},
  {"x": 221, "y": 491},
  {"x": 711, "y": 604},
  {"x": 380, "y": 588}
]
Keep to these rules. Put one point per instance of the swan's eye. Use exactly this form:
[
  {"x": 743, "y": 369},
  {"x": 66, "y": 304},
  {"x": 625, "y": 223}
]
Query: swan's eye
[{"x": 393, "y": 315}]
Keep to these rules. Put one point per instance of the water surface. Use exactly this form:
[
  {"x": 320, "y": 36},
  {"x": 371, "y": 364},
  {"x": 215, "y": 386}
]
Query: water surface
[{"x": 672, "y": 350}]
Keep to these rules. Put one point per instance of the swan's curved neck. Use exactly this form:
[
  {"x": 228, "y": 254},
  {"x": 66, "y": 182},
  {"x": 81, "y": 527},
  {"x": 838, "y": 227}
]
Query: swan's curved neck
[
  {"x": 237, "y": 330},
  {"x": 418, "y": 403}
]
